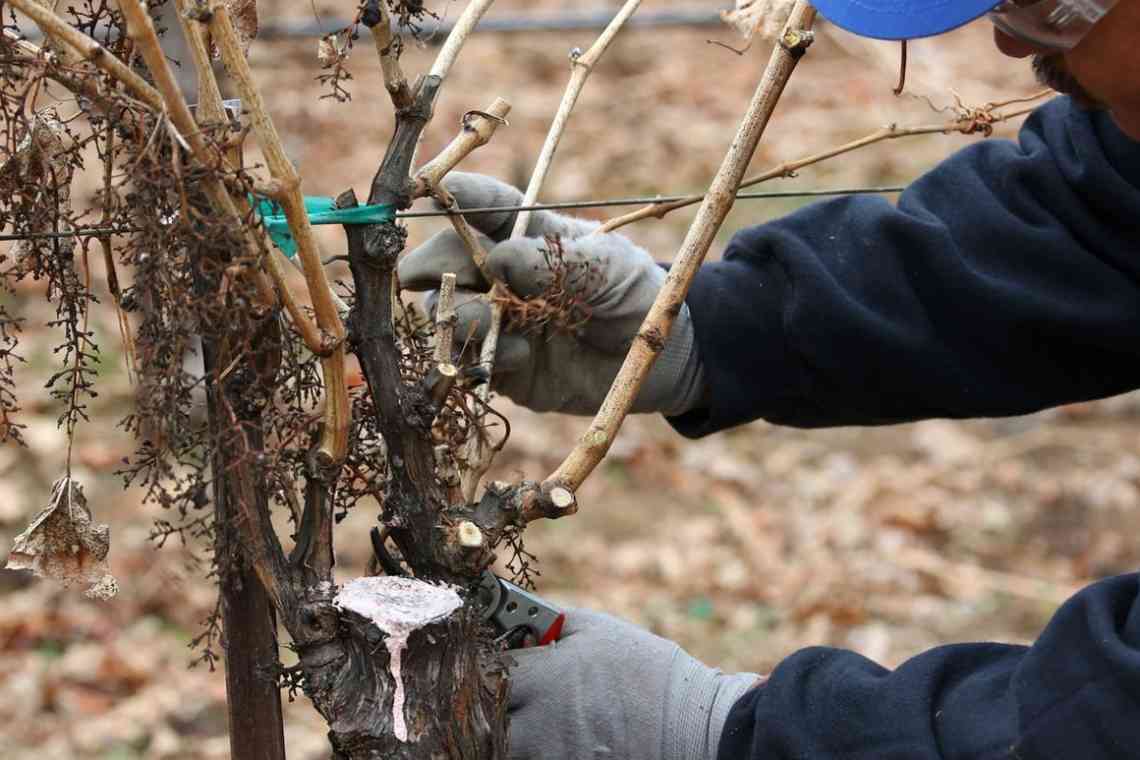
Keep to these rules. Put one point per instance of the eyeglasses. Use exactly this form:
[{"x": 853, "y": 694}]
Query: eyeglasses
[{"x": 1057, "y": 24}]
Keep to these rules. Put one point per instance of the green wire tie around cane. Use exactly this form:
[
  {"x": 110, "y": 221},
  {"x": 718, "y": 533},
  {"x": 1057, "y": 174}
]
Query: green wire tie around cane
[{"x": 321, "y": 210}]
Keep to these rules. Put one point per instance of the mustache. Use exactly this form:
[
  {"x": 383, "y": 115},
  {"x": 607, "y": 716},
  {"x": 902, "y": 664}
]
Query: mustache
[{"x": 1051, "y": 71}]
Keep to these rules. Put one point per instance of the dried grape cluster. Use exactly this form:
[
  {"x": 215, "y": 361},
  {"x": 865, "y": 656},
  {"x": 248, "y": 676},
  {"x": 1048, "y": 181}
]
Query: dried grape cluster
[{"x": 563, "y": 303}]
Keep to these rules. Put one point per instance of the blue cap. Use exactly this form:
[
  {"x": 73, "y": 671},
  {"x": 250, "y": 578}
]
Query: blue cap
[{"x": 902, "y": 19}]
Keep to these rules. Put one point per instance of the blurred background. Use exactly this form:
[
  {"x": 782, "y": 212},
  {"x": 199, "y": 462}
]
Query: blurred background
[{"x": 744, "y": 546}]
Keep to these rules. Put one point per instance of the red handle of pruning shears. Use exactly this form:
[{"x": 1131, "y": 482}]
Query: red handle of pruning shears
[{"x": 554, "y": 631}]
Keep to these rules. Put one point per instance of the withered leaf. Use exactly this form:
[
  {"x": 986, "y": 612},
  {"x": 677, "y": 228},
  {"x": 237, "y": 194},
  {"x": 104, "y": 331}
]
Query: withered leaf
[
  {"x": 244, "y": 15},
  {"x": 64, "y": 544},
  {"x": 41, "y": 157},
  {"x": 327, "y": 53},
  {"x": 764, "y": 16},
  {"x": 40, "y": 161}
]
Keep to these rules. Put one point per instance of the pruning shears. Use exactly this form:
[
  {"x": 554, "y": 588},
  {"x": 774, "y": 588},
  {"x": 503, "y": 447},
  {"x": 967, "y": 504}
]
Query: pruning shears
[{"x": 523, "y": 618}]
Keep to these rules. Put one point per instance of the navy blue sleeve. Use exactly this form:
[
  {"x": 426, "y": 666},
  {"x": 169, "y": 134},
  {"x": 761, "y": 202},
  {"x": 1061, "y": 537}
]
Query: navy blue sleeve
[
  {"x": 1006, "y": 280},
  {"x": 1073, "y": 695}
]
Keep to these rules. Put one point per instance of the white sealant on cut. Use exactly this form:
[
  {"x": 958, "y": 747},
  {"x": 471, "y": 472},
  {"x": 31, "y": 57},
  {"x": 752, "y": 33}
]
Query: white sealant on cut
[{"x": 398, "y": 606}]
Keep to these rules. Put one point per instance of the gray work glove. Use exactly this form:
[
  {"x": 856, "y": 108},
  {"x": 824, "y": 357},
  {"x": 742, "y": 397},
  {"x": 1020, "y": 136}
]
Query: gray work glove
[
  {"x": 608, "y": 689},
  {"x": 546, "y": 367}
]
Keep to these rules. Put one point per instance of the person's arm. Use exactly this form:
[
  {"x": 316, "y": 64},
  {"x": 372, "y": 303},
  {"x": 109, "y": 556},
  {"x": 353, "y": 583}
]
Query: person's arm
[
  {"x": 1006, "y": 280},
  {"x": 1074, "y": 694}
]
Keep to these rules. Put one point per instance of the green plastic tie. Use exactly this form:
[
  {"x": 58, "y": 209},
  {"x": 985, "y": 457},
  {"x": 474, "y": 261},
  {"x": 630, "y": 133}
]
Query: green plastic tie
[{"x": 321, "y": 210}]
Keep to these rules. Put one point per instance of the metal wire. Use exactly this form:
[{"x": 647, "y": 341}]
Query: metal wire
[
  {"x": 86, "y": 232},
  {"x": 596, "y": 18},
  {"x": 645, "y": 201},
  {"x": 601, "y": 203},
  {"x": 435, "y": 34}
]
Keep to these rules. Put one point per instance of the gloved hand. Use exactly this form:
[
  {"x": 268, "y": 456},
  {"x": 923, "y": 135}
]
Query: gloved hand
[
  {"x": 611, "y": 689},
  {"x": 546, "y": 367}
]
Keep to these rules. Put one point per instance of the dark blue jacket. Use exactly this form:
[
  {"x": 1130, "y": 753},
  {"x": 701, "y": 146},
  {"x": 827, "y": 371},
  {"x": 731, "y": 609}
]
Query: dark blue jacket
[{"x": 1006, "y": 280}]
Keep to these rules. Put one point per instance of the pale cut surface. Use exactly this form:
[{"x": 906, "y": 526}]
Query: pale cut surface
[{"x": 398, "y": 606}]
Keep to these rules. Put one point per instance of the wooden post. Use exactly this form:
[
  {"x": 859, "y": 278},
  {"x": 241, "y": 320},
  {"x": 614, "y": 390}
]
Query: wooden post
[{"x": 249, "y": 622}]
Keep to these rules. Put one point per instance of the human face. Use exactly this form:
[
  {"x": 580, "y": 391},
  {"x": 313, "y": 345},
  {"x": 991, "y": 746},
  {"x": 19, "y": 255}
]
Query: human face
[
  {"x": 1056, "y": 24},
  {"x": 1101, "y": 71}
]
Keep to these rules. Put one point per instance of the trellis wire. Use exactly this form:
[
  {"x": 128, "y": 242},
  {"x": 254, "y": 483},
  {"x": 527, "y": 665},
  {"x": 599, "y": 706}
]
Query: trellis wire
[
  {"x": 564, "y": 21},
  {"x": 567, "y": 21},
  {"x": 557, "y": 206}
]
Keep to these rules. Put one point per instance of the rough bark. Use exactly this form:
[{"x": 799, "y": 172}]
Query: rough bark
[{"x": 350, "y": 682}]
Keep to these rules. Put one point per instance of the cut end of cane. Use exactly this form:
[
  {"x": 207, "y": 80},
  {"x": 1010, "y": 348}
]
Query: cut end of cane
[
  {"x": 562, "y": 498},
  {"x": 470, "y": 537},
  {"x": 549, "y": 501}
]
